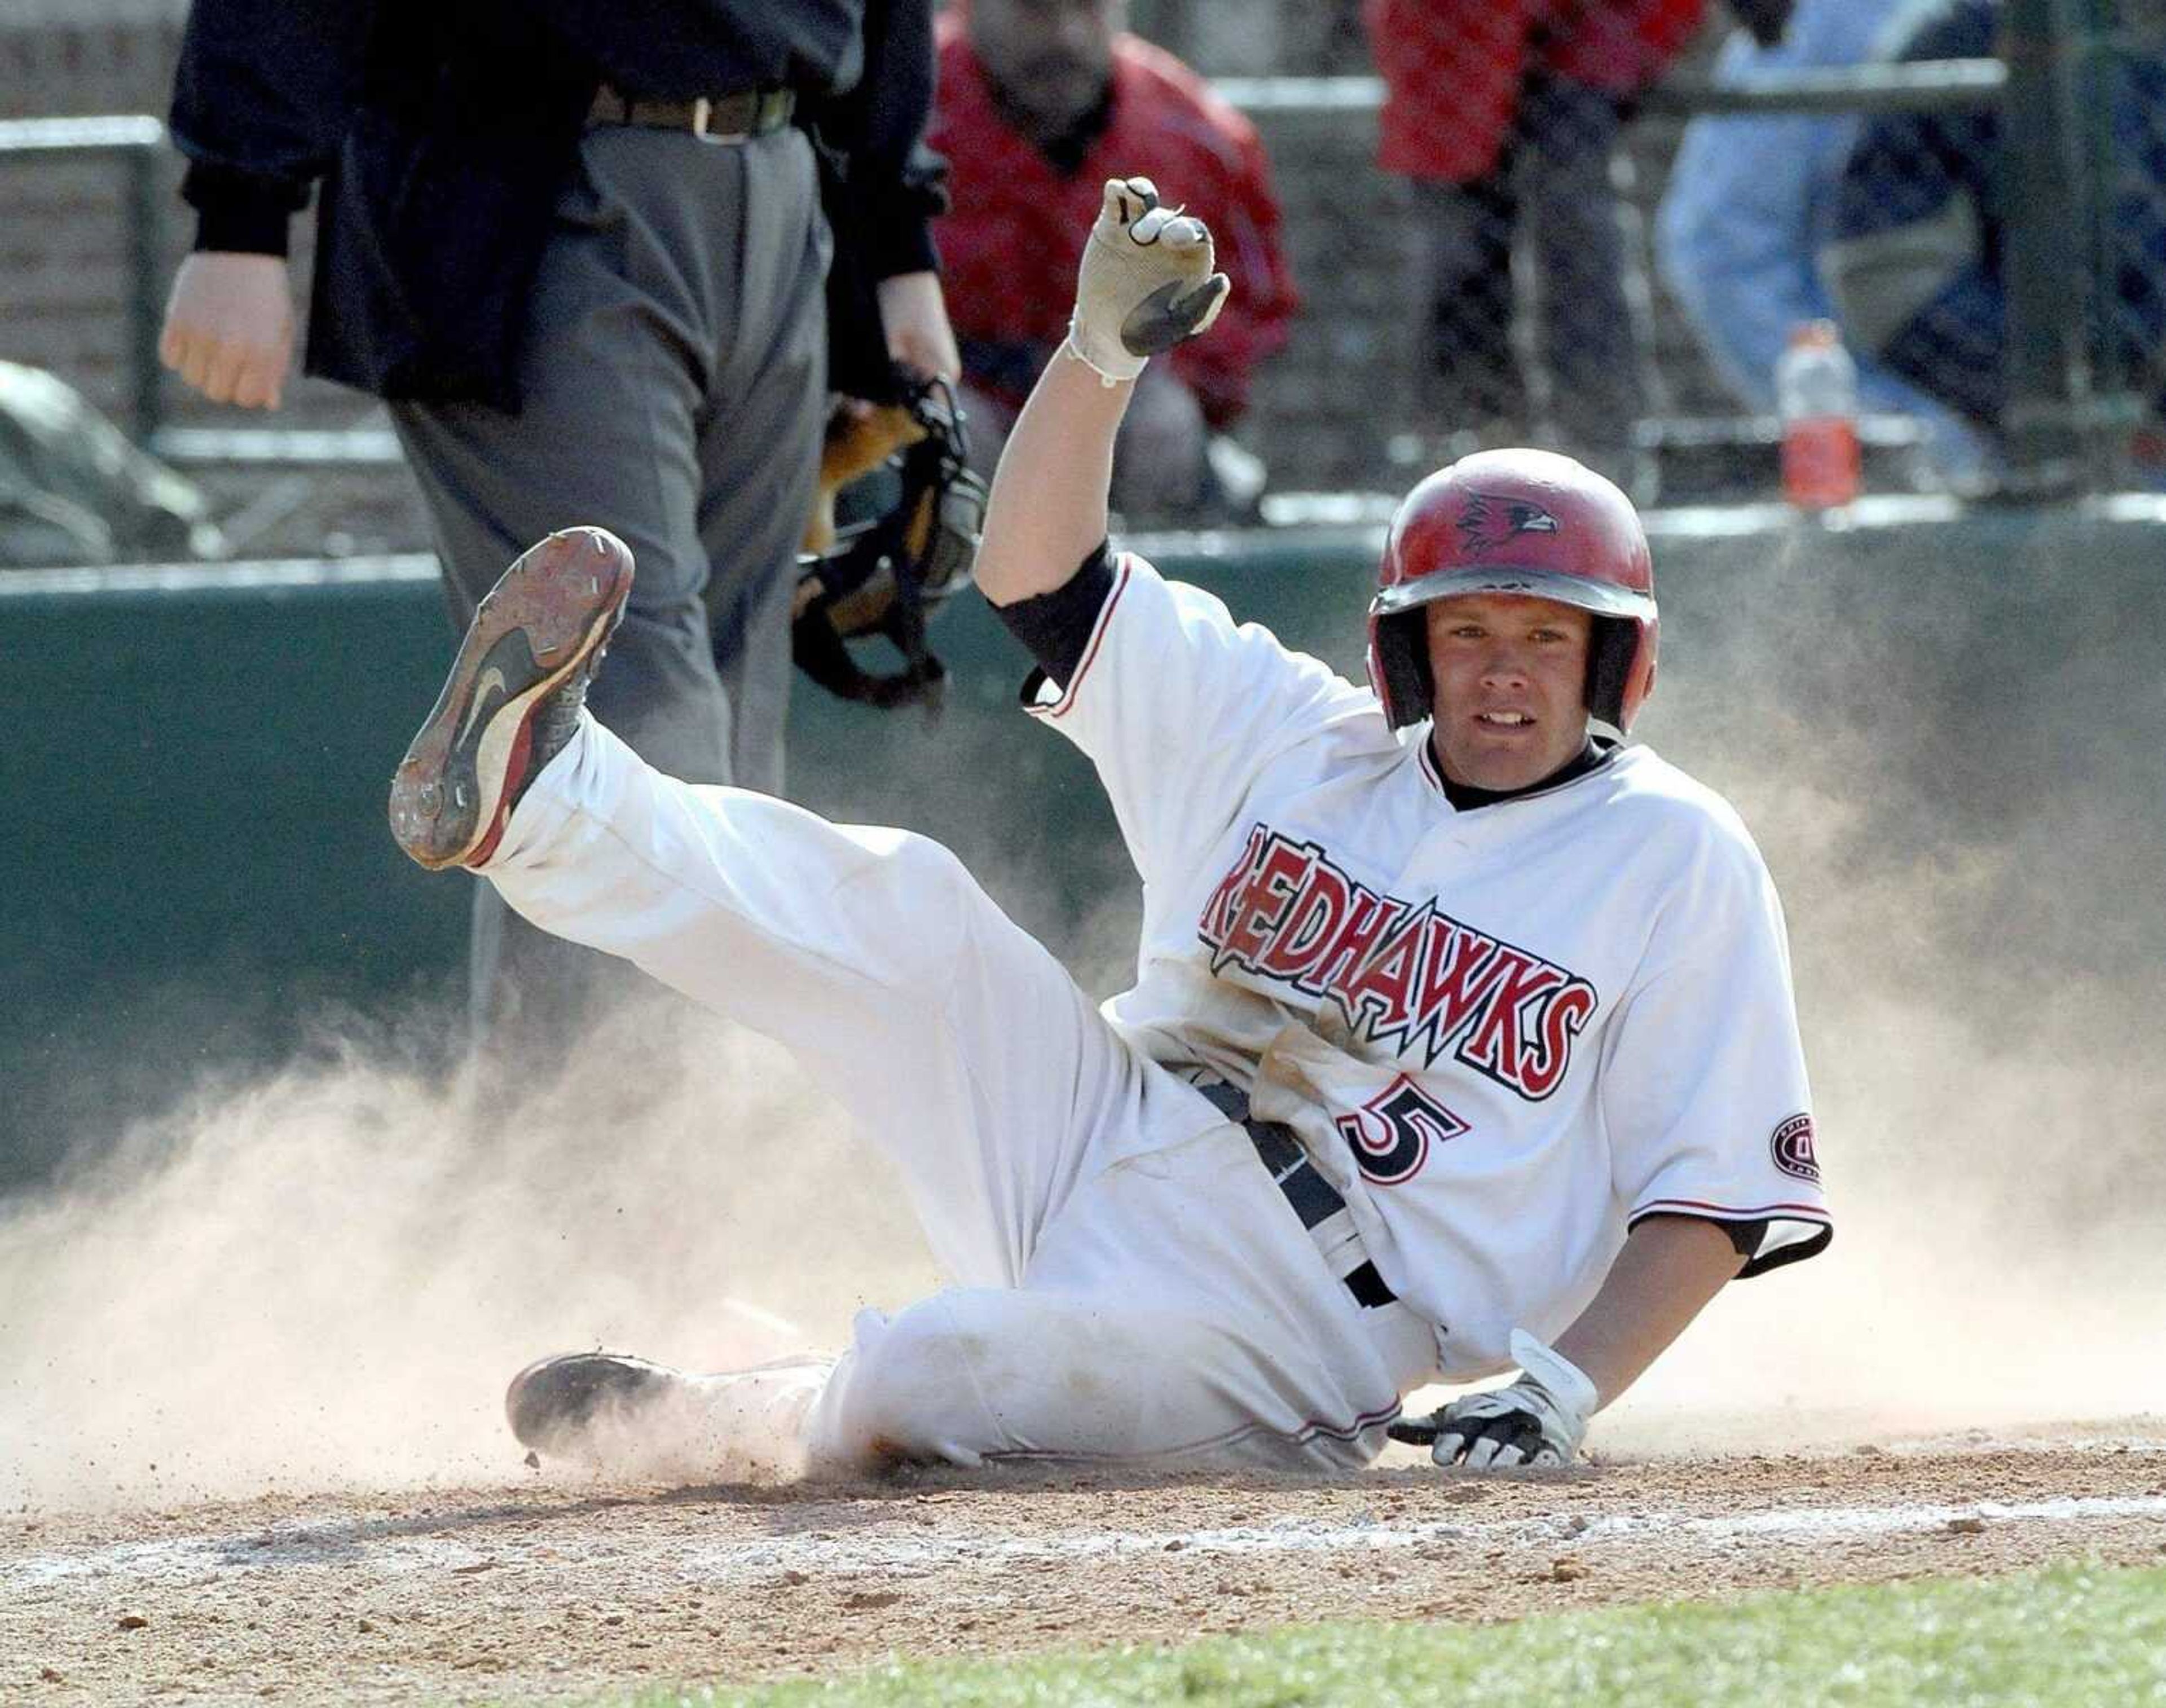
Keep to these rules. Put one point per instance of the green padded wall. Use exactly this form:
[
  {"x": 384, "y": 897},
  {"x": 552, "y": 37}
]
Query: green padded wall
[{"x": 199, "y": 882}]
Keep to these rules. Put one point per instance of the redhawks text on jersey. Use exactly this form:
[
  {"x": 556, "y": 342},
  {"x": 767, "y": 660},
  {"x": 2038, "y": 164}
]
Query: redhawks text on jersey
[{"x": 1406, "y": 975}]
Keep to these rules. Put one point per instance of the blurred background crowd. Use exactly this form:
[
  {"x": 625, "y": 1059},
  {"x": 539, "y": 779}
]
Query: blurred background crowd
[{"x": 1598, "y": 225}]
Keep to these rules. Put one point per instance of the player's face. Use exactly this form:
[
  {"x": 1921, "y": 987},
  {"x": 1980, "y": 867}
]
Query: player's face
[
  {"x": 1049, "y": 60},
  {"x": 1511, "y": 687}
]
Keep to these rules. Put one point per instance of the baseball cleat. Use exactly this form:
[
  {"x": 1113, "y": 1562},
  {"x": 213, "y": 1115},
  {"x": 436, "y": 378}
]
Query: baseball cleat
[
  {"x": 616, "y": 1413},
  {"x": 513, "y": 697},
  {"x": 555, "y": 1406}
]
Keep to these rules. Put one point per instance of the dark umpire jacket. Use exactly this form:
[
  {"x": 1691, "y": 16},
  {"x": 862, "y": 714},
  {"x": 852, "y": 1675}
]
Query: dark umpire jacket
[{"x": 442, "y": 132}]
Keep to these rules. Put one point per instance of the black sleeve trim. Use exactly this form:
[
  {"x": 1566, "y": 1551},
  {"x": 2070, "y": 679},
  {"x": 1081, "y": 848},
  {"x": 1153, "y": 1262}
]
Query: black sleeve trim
[
  {"x": 1056, "y": 627},
  {"x": 1745, "y": 1237},
  {"x": 1794, "y": 1253},
  {"x": 242, "y": 231},
  {"x": 240, "y": 213}
]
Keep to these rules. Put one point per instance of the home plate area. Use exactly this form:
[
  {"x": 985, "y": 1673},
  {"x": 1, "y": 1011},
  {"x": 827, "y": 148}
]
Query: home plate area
[{"x": 557, "y": 1588}]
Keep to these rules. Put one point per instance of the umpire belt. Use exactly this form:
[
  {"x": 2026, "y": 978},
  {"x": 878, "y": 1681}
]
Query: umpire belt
[
  {"x": 737, "y": 117},
  {"x": 1314, "y": 1199}
]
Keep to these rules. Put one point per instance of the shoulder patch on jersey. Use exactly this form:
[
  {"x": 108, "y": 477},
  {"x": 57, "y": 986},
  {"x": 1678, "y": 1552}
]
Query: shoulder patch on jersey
[{"x": 1792, "y": 1143}]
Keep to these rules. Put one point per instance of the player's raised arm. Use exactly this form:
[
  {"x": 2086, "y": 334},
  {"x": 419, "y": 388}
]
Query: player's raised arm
[{"x": 1146, "y": 283}]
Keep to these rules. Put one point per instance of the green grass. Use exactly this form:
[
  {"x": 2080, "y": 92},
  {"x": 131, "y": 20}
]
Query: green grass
[{"x": 2074, "y": 1636}]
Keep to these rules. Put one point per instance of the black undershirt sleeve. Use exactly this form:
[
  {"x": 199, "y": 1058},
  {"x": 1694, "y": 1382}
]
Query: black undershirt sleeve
[
  {"x": 1055, "y": 626},
  {"x": 1744, "y": 1236}
]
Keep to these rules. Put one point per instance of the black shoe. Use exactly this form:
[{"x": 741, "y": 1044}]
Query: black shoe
[
  {"x": 555, "y": 1404},
  {"x": 613, "y": 1412}
]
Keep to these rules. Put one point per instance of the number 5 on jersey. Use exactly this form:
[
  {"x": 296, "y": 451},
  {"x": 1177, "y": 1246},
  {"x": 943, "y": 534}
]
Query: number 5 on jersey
[{"x": 1390, "y": 1134}]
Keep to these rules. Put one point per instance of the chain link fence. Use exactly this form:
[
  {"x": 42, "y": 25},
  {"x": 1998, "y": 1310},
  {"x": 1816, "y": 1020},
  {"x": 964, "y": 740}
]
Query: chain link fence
[
  {"x": 1599, "y": 227},
  {"x": 1456, "y": 222},
  {"x": 2006, "y": 263},
  {"x": 2123, "y": 132}
]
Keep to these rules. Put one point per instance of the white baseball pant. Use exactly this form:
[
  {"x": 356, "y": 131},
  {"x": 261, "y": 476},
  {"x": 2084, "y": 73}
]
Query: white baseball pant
[{"x": 1132, "y": 1285}]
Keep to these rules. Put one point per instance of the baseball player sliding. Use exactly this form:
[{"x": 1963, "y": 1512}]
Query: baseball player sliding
[{"x": 1462, "y": 1038}]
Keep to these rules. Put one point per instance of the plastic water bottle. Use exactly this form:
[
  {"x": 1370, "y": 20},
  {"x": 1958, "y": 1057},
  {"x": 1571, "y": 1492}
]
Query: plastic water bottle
[{"x": 1817, "y": 395}]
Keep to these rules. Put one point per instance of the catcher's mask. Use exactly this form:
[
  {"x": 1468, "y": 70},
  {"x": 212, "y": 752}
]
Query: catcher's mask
[
  {"x": 887, "y": 576},
  {"x": 1524, "y": 522}
]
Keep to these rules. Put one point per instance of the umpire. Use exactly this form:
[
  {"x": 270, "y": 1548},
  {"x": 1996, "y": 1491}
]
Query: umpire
[{"x": 579, "y": 246}]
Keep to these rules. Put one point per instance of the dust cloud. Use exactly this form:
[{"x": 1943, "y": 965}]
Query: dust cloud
[
  {"x": 325, "y": 1278},
  {"x": 1955, "y": 781},
  {"x": 1998, "y": 1192}
]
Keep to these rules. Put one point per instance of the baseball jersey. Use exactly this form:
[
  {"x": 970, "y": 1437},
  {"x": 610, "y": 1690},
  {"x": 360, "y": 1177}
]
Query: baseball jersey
[{"x": 1504, "y": 1034}]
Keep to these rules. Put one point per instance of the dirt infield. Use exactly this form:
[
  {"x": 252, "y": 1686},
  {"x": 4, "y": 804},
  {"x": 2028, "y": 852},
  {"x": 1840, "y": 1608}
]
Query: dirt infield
[{"x": 555, "y": 1588}]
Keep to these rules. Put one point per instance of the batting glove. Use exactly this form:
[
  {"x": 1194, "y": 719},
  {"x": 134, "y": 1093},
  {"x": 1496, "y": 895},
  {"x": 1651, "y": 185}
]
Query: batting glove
[
  {"x": 1540, "y": 1419},
  {"x": 1145, "y": 284}
]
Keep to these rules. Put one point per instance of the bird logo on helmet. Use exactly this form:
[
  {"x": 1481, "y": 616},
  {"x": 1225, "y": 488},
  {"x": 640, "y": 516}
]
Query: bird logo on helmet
[
  {"x": 1486, "y": 519},
  {"x": 1531, "y": 523}
]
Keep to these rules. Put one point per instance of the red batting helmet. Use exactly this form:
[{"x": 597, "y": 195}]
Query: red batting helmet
[{"x": 1529, "y": 522}]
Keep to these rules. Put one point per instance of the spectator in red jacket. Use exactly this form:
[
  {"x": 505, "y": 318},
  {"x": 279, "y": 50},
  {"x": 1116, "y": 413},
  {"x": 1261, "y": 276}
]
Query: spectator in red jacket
[
  {"x": 1498, "y": 109},
  {"x": 1039, "y": 102}
]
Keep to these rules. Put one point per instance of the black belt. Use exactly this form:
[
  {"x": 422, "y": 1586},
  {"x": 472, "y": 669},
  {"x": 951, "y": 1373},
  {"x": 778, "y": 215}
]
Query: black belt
[
  {"x": 732, "y": 117},
  {"x": 1314, "y": 1198}
]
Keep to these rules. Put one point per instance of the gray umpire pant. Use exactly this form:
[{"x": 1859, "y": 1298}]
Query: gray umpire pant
[
  {"x": 1559, "y": 174},
  {"x": 673, "y": 388}
]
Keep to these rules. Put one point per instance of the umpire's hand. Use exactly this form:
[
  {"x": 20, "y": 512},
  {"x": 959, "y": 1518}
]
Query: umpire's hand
[
  {"x": 1540, "y": 1419},
  {"x": 1146, "y": 282},
  {"x": 229, "y": 327}
]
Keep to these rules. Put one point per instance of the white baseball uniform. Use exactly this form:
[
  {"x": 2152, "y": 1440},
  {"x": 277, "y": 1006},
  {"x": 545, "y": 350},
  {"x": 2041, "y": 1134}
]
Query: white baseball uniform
[{"x": 1501, "y": 1036}]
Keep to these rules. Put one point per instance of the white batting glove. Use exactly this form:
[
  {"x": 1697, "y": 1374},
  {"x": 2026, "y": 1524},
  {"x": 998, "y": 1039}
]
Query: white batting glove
[
  {"x": 1145, "y": 284},
  {"x": 1540, "y": 1419}
]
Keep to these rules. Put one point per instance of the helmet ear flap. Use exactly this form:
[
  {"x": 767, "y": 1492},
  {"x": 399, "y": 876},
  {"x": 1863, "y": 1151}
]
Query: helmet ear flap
[
  {"x": 1405, "y": 684},
  {"x": 1615, "y": 645}
]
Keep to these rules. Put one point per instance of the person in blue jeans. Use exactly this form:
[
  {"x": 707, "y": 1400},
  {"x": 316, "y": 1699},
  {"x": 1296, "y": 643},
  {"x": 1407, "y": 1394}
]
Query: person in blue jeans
[
  {"x": 1916, "y": 255},
  {"x": 1750, "y": 204}
]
